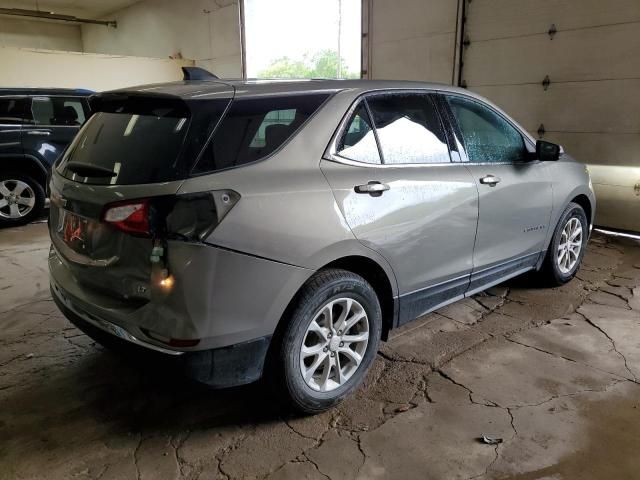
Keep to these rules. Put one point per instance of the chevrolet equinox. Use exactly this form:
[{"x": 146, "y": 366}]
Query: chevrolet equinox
[{"x": 283, "y": 228}]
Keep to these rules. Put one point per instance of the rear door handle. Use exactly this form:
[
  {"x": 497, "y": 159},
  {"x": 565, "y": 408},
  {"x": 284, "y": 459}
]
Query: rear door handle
[
  {"x": 490, "y": 180},
  {"x": 43, "y": 133},
  {"x": 375, "y": 189}
]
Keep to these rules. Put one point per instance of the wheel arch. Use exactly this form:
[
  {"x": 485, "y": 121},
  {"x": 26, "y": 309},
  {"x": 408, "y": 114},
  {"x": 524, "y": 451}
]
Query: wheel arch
[
  {"x": 377, "y": 277},
  {"x": 24, "y": 164},
  {"x": 382, "y": 281},
  {"x": 585, "y": 203}
]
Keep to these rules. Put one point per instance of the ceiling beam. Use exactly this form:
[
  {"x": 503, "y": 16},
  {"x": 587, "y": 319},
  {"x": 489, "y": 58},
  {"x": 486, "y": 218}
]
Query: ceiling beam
[{"x": 19, "y": 12}]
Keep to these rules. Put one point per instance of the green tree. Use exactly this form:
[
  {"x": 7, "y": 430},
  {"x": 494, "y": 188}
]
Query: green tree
[
  {"x": 323, "y": 64},
  {"x": 284, "y": 67}
]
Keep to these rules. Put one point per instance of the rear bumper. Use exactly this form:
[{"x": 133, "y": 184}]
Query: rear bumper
[
  {"x": 219, "y": 298},
  {"x": 81, "y": 319},
  {"x": 219, "y": 368},
  {"x": 226, "y": 304}
]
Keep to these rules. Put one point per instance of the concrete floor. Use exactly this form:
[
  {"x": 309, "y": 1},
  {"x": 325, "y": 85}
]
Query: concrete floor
[{"x": 552, "y": 372}]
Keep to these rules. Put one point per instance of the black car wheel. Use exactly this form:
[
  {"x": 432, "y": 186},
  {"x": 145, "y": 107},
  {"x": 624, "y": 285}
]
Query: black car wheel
[
  {"x": 21, "y": 199},
  {"x": 330, "y": 341},
  {"x": 567, "y": 247}
]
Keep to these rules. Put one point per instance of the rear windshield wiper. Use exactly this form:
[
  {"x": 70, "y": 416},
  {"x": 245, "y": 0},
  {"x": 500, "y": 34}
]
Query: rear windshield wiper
[{"x": 88, "y": 170}]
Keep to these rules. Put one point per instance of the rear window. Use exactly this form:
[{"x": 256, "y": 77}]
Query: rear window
[
  {"x": 253, "y": 128},
  {"x": 142, "y": 140}
]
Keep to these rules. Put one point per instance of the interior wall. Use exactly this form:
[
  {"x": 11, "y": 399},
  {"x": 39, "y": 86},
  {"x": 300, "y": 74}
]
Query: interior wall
[
  {"x": 412, "y": 39},
  {"x": 592, "y": 63},
  {"x": 52, "y": 68},
  {"x": 207, "y": 31},
  {"x": 37, "y": 34}
]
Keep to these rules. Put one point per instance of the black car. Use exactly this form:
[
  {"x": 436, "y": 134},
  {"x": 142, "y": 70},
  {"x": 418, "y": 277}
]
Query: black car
[{"x": 36, "y": 125}]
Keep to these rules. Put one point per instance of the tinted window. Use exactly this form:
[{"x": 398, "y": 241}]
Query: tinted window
[
  {"x": 136, "y": 147},
  {"x": 358, "y": 141},
  {"x": 253, "y": 128},
  {"x": 11, "y": 110},
  {"x": 408, "y": 128},
  {"x": 487, "y": 136},
  {"x": 275, "y": 117},
  {"x": 57, "y": 111},
  {"x": 142, "y": 139}
]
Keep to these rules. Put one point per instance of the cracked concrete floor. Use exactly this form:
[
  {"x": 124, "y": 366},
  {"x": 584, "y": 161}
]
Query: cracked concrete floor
[{"x": 552, "y": 372}]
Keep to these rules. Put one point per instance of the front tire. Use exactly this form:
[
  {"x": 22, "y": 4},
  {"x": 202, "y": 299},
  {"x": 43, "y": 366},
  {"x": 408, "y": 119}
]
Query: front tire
[
  {"x": 330, "y": 340},
  {"x": 567, "y": 247},
  {"x": 21, "y": 199}
]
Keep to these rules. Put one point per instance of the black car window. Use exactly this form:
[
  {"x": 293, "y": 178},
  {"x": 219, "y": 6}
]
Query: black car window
[
  {"x": 135, "y": 147},
  {"x": 409, "y": 128},
  {"x": 488, "y": 137},
  {"x": 358, "y": 141},
  {"x": 57, "y": 111},
  {"x": 11, "y": 110},
  {"x": 274, "y": 117},
  {"x": 253, "y": 128},
  {"x": 142, "y": 139}
]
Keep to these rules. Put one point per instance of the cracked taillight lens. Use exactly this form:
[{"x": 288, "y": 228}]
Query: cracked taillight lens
[
  {"x": 190, "y": 217},
  {"x": 129, "y": 217}
]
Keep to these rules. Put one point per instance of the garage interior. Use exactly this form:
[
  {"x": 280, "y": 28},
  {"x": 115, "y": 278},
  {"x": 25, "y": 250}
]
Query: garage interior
[{"x": 550, "y": 375}]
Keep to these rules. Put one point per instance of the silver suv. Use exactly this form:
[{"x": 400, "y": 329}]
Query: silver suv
[{"x": 284, "y": 228}]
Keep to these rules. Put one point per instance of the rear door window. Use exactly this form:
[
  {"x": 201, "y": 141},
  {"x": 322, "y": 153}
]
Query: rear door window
[
  {"x": 57, "y": 111},
  {"x": 12, "y": 110},
  {"x": 254, "y": 128},
  {"x": 409, "y": 128},
  {"x": 358, "y": 142}
]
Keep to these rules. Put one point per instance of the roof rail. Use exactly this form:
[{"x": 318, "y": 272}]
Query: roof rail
[{"x": 197, "y": 73}]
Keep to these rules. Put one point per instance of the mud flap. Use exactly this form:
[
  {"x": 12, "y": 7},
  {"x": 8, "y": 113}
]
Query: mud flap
[{"x": 228, "y": 366}]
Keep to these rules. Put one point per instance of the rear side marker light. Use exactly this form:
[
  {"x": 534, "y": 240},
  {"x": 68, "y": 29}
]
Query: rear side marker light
[{"x": 129, "y": 217}]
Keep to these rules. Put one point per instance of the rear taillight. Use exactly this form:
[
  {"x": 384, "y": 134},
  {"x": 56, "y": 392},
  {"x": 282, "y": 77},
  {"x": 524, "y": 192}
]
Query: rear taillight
[
  {"x": 130, "y": 217},
  {"x": 190, "y": 217}
]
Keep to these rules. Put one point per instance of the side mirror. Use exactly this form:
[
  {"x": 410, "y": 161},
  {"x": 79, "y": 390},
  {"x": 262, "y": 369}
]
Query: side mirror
[{"x": 547, "y": 151}]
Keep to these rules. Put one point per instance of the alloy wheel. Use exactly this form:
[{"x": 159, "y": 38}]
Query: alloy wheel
[
  {"x": 334, "y": 344},
  {"x": 570, "y": 245},
  {"x": 17, "y": 199}
]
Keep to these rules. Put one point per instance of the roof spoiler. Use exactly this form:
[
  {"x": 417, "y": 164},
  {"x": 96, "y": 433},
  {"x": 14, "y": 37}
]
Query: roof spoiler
[{"x": 197, "y": 73}]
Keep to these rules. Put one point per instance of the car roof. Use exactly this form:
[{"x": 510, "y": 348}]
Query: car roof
[
  {"x": 44, "y": 91},
  {"x": 200, "y": 89}
]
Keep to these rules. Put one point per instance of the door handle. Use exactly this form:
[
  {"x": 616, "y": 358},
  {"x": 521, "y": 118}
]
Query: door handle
[
  {"x": 375, "y": 189},
  {"x": 490, "y": 180},
  {"x": 43, "y": 133}
]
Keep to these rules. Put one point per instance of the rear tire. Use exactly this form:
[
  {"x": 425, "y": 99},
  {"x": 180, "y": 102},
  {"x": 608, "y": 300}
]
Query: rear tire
[
  {"x": 21, "y": 199},
  {"x": 567, "y": 247},
  {"x": 329, "y": 342}
]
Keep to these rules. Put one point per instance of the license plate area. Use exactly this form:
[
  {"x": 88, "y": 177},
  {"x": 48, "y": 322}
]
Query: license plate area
[{"x": 75, "y": 231}]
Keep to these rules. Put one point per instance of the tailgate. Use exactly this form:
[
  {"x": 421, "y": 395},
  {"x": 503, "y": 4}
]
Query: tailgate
[
  {"x": 137, "y": 148},
  {"x": 98, "y": 256}
]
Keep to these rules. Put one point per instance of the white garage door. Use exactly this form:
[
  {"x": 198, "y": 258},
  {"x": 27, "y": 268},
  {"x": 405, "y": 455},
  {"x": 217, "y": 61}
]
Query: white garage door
[{"x": 591, "y": 104}]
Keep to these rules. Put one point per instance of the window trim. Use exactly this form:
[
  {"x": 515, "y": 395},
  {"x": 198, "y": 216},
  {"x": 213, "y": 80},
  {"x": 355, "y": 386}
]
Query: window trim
[
  {"x": 528, "y": 143},
  {"x": 332, "y": 155}
]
